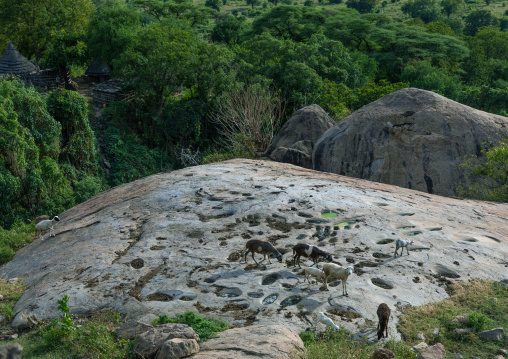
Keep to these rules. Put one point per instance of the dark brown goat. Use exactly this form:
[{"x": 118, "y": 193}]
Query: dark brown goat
[
  {"x": 312, "y": 252},
  {"x": 383, "y": 314},
  {"x": 264, "y": 248}
]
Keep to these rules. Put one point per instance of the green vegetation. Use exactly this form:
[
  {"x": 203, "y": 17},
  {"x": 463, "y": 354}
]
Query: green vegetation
[
  {"x": 485, "y": 302},
  {"x": 11, "y": 292},
  {"x": 206, "y": 328},
  {"x": 63, "y": 338},
  {"x": 11, "y": 240},
  {"x": 339, "y": 345},
  {"x": 490, "y": 176}
]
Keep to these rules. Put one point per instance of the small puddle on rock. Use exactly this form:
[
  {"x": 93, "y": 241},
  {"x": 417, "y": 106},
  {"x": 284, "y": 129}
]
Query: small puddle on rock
[
  {"x": 383, "y": 283},
  {"x": 435, "y": 229},
  {"x": 270, "y": 279},
  {"x": 270, "y": 299},
  {"x": 406, "y": 228},
  {"x": 381, "y": 255},
  {"x": 137, "y": 263},
  {"x": 405, "y": 214},
  {"x": 255, "y": 294},
  {"x": 328, "y": 214},
  {"x": 229, "y": 292},
  {"x": 413, "y": 233},
  {"x": 292, "y": 300},
  {"x": 386, "y": 241}
]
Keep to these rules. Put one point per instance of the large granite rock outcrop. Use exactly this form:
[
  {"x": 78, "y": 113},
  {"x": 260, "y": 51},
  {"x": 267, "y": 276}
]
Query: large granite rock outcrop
[
  {"x": 256, "y": 341},
  {"x": 295, "y": 141},
  {"x": 172, "y": 242},
  {"x": 410, "y": 138}
]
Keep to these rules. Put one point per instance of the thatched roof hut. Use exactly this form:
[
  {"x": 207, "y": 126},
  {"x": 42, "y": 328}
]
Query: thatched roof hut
[
  {"x": 12, "y": 62},
  {"x": 98, "y": 71}
]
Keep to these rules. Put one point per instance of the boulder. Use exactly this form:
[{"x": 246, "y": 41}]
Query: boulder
[
  {"x": 295, "y": 141},
  {"x": 437, "y": 351},
  {"x": 462, "y": 331},
  {"x": 148, "y": 343},
  {"x": 492, "y": 334},
  {"x": 419, "y": 347},
  {"x": 420, "y": 336},
  {"x": 257, "y": 341},
  {"x": 177, "y": 348},
  {"x": 462, "y": 319},
  {"x": 11, "y": 351},
  {"x": 456, "y": 356},
  {"x": 382, "y": 353},
  {"x": 410, "y": 138}
]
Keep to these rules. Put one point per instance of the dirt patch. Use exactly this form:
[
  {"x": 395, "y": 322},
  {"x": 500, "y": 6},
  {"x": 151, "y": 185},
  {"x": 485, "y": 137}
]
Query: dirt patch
[
  {"x": 344, "y": 314},
  {"x": 158, "y": 297},
  {"x": 202, "y": 309},
  {"x": 286, "y": 227},
  {"x": 229, "y": 307}
]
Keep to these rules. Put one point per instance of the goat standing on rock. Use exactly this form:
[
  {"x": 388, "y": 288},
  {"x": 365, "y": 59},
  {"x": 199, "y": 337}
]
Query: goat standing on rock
[
  {"x": 337, "y": 272},
  {"x": 261, "y": 247},
  {"x": 383, "y": 314},
  {"x": 401, "y": 243},
  {"x": 312, "y": 252},
  {"x": 45, "y": 225}
]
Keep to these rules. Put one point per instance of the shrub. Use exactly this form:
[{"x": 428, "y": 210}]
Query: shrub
[{"x": 206, "y": 328}]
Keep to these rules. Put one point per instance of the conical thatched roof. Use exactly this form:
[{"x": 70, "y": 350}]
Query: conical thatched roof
[
  {"x": 98, "y": 68},
  {"x": 12, "y": 62}
]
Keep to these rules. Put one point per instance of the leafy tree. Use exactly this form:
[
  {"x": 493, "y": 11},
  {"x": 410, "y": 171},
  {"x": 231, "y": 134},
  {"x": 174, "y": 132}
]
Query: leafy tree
[
  {"x": 253, "y": 2},
  {"x": 214, "y": 4},
  {"x": 450, "y": 6},
  {"x": 290, "y": 22},
  {"x": 478, "y": 19},
  {"x": 425, "y": 76},
  {"x": 493, "y": 42},
  {"x": 112, "y": 28},
  {"x": 32, "y": 24},
  {"x": 228, "y": 30},
  {"x": 67, "y": 49},
  {"x": 427, "y": 10},
  {"x": 362, "y": 6},
  {"x": 78, "y": 141},
  {"x": 174, "y": 9},
  {"x": 439, "y": 27},
  {"x": 489, "y": 176}
]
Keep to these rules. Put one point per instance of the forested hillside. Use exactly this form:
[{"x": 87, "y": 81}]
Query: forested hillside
[{"x": 215, "y": 80}]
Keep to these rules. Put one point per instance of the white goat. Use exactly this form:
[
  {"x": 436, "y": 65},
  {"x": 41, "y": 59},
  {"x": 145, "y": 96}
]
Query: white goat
[
  {"x": 401, "y": 243},
  {"x": 314, "y": 272},
  {"x": 322, "y": 318},
  {"x": 337, "y": 272},
  {"x": 45, "y": 225}
]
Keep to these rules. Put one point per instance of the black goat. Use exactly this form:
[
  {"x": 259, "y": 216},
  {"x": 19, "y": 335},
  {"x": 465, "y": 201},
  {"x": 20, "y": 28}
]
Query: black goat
[
  {"x": 312, "y": 252},
  {"x": 264, "y": 248},
  {"x": 383, "y": 314}
]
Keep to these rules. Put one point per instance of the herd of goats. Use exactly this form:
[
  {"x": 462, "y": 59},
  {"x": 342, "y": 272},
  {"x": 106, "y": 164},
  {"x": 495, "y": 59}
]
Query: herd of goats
[
  {"x": 328, "y": 270},
  {"x": 299, "y": 250}
]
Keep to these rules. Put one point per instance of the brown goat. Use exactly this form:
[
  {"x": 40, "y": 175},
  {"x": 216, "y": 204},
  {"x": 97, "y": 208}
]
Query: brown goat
[
  {"x": 264, "y": 248},
  {"x": 383, "y": 314}
]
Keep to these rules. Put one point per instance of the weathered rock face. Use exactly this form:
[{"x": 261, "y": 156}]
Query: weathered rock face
[
  {"x": 411, "y": 138},
  {"x": 296, "y": 139},
  {"x": 170, "y": 243},
  {"x": 256, "y": 341}
]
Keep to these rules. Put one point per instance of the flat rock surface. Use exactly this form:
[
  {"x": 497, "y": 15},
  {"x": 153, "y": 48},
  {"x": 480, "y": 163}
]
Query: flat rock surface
[{"x": 171, "y": 242}]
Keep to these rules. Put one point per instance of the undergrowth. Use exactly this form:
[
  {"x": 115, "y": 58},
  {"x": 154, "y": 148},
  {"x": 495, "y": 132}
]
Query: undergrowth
[
  {"x": 205, "y": 327},
  {"x": 339, "y": 345},
  {"x": 485, "y": 302}
]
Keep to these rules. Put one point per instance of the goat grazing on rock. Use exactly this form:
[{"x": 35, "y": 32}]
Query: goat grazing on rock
[
  {"x": 264, "y": 248},
  {"x": 312, "y": 252},
  {"x": 314, "y": 272},
  {"x": 383, "y": 314},
  {"x": 322, "y": 318},
  {"x": 45, "y": 225},
  {"x": 401, "y": 243},
  {"x": 337, "y": 272}
]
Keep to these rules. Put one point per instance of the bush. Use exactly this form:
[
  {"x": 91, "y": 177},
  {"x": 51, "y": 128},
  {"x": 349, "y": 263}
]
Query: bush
[
  {"x": 206, "y": 328},
  {"x": 14, "y": 239}
]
